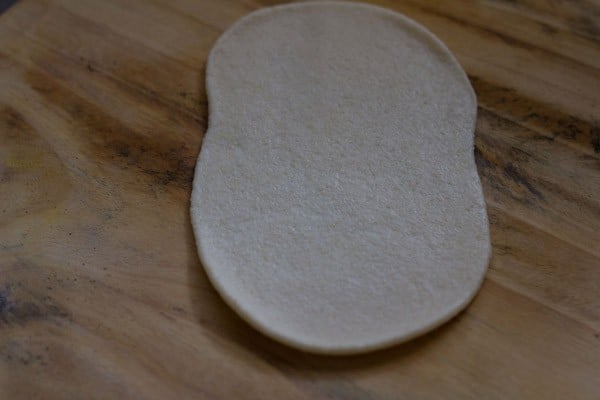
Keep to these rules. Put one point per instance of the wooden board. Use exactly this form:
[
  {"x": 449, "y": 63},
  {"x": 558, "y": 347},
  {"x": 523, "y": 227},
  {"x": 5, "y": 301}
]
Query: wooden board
[{"x": 102, "y": 113}]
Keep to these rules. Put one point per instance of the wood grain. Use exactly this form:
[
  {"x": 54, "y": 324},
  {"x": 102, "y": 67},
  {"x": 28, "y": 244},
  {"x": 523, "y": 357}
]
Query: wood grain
[{"x": 102, "y": 112}]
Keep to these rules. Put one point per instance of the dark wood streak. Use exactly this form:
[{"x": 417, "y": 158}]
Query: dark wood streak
[
  {"x": 550, "y": 122},
  {"x": 580, "y": 17},
  {"x": 106, "y": 139},
  {"x": 6, "y": 4},
  {"x": 509, "y": 40},
  {"x": 511, "y": 157},
  {"x": 126, "y": 70},
  {"x": 18, "y": 306},
  {"x": 141, "y": 90}
]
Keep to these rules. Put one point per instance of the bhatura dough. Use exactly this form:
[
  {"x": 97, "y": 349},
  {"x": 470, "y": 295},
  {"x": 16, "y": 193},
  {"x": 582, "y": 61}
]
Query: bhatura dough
[{"x": 336, "y": 203}]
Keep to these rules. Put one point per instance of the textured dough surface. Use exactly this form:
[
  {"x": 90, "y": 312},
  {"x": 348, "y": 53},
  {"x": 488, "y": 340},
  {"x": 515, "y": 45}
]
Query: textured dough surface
[{"x": 336, "y": 203}]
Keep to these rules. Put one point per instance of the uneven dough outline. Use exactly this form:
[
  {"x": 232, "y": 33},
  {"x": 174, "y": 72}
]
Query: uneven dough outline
[{"x": 241, "y": 309}]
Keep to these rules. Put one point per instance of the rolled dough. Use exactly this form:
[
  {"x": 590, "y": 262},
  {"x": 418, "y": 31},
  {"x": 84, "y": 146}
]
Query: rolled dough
[{"x": 336, "y": 204}]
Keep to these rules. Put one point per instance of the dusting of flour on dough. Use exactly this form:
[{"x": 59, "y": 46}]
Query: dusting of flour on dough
[{"x": 336, "y": 203}]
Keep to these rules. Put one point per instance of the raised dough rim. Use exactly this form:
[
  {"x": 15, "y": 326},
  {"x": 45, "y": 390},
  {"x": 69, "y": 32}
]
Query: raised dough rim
[{"x": 239, "y": 308}]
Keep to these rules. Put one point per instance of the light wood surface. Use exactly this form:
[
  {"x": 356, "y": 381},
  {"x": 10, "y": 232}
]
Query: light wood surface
[{"x": 102, "y": 113}]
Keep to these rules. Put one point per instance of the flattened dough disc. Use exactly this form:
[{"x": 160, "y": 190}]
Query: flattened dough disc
[{"x": 336, "y": 203}]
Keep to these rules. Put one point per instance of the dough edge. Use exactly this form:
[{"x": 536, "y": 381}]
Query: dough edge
[{"x": 240, "y": 309}]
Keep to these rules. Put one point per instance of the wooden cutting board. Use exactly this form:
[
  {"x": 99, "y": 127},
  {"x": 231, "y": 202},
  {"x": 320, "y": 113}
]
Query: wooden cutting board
[{"x": 102, "y": 113}]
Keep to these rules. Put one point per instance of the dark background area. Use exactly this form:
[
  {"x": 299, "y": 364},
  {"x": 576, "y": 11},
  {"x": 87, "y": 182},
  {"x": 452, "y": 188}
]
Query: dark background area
[{"x": 5, "y": 4}]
